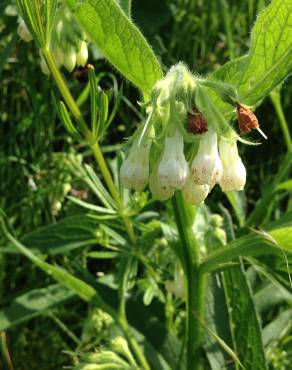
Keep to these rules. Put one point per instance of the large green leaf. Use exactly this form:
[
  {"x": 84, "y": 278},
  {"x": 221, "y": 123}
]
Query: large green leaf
[
  {"x": 254, "y": 244},
  {"x": 216, "y": 319},
  {"x": 32, "y": 304},
  {"x": 269, "y": 60},
  {"x": 119, "y": 40},
  {"x": 244, "y": 323},
  {"x": 65, "y": 235}
]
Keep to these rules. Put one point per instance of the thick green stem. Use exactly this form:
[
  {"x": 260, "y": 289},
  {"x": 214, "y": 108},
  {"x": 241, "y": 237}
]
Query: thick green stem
[
  {"x": 195, "y": 283},
  {"x": 276, "y": 100},
  {"x": 196, "y": 298}
]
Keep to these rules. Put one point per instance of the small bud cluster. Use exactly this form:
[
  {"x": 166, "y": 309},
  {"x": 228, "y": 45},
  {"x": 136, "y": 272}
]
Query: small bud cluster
[
  {"x": 184, "y": 143},
  {"x": 67, "y": 41}
]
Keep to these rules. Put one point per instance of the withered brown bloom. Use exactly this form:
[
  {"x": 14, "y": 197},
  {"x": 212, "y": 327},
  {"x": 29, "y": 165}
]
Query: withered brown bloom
[
  {"x": 197, "y": 123},
  {"x": 247, "y": 119}
]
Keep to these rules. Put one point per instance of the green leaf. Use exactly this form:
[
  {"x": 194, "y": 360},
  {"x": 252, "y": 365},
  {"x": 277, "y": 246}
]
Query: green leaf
[
  {"x": 85, "y": 291},
  {"x": 238, "y": 202},
  {"x": 283, "y": 236},
  {"x": 270, "y": 295},
  {"x": 32, "y": 304},
  {"x": 274, "y": 331},
  {"x": 217, "y": 321},
  {"x": 244, "y": 323},
  {"x": 119, "y": 40},
  {"x": 255, "y": 244},
  {"x": 269, "y": 60},
  {"x": 63, "y": 236}
]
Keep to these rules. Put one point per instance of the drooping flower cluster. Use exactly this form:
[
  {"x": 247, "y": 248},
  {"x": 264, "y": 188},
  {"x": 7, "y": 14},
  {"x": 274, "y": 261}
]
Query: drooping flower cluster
[
  {"x": 67, "y": 42},
  {"x": 169, "y": 155}
]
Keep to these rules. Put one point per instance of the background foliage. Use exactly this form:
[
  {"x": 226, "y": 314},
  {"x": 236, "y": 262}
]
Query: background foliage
[{"x": 40, "y": 163}]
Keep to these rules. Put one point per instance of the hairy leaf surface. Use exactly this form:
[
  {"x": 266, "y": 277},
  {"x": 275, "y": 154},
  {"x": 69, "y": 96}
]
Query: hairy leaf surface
[{"x": 119, "y": 40}]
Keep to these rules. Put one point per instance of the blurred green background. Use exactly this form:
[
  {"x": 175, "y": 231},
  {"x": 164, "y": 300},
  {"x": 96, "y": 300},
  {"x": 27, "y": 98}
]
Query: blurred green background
[{"x": 34, "y": 152}]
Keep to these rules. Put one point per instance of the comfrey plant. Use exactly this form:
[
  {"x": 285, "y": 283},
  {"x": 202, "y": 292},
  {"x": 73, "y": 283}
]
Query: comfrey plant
[
  {"x": 161, "y": 146},
  {"x": 186, "y": 144}
]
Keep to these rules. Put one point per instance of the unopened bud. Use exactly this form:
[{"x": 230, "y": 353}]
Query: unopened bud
[
  {"x": 69, "y": 59},
  {"x": 82, "y": 54}
]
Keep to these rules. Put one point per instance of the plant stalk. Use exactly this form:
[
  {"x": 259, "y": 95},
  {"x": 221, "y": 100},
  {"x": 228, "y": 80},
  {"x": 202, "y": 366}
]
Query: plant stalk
[
  {"x": 73, "y": 107},
  {"x": 196, "y": 283},
  {"x": 276, "y": 100}
]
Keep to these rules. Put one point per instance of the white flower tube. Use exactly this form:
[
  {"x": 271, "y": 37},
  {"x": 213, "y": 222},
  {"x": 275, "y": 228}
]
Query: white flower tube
[
  {"x": 194, "y": 193},
  {"x": 161, "y": 192},
  {"x": 173, "y": 168},
  {"x": 82, "y": 55},
  {"x": 234, "y": 173},
  {"x": 23, "y": 32},
  {"x": 207, "y": 167},
  {"x": 135, "y": 170}
]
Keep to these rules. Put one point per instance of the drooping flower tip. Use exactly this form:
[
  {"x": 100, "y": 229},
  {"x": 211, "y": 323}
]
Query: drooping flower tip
[
  {"x": 234, "y": 173},
  {"x": 173, "y": 169},
  {"x": 134, "y": 171},
  {"x": 207, "y": 167},
  {"x": 195, "y": 193}
]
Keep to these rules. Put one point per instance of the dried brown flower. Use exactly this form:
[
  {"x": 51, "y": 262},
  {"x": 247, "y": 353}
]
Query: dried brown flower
[
  {"x": 197, "y": 123},
  {"x": 247, "y": 119}
]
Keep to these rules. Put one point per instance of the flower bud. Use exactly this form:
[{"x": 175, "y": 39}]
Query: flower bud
[
  {"x": 194, "y": 193},
  {"x": 23, "y": 32},
  {"x": 207, "y": 167},
  {"x": 173, "y": 168},
  {"x": 82, "y": 55},
  {"x": 234, "y": 173},
  {"x": 69, "y": 59},
  {"x": 135, "y": 170}
]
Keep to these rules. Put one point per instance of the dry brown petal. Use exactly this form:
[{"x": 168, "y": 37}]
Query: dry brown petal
[
  {"x": 197, "y": 123},
  {"x": 247, "y": 119}
]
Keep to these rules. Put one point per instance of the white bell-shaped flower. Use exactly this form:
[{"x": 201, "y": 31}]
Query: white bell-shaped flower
[
  {"x": 195, "y": 193},
  {"x": 173, "y": 169},
  {"x": 207, "y": 167},
  {"x": 82, "y": 54},
  {"x": 23, "y": 32},
  {"x": 135, "y": 170},
  {"x": 234, "y": 173},
  {"x": 159, "y": 191}
]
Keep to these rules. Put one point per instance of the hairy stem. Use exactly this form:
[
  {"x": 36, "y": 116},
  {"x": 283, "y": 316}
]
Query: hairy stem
[{"x": 195, "y": 283}]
